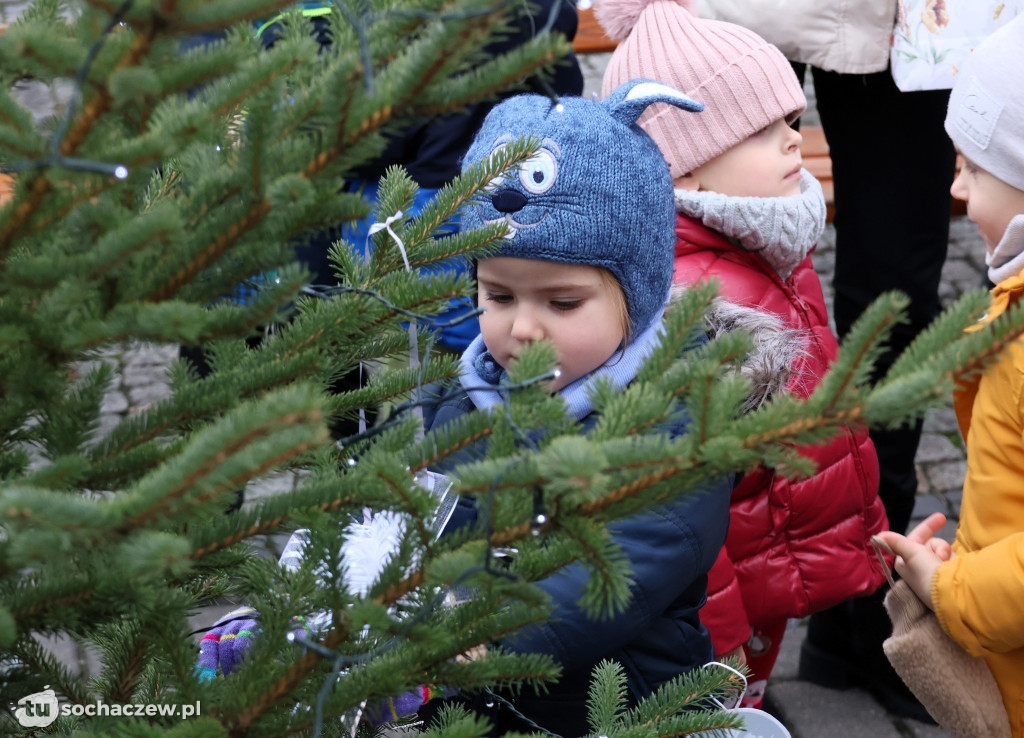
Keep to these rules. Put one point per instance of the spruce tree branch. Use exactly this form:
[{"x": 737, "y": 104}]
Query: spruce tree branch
[
  {"x": 283, "y": 686},
  {"x": 212, "y": 252},
  {"x": 328, "y": 155},
  {"x": 425, "y": 536},
  {"x": 79, "y": 194},
  {"x": 705, "y": 409},
  {"x": 265, "y": 526},
  {"x": 382, "y": 399},
  {"x": 153, "y": 512},
  {"x": 178, "y": 27},
  {"x": 441, "y": 61},
  {"x": 865, "y": 349},
  {"x": 23, "y": 211},
  {"x": 977, "y": 360},
  {"x": 453, "y": 449},
  {"x": 31, "y": 654},
  {"x": 184, "y": 414},
  {"x": 189, "y": 28},
  {"x": 503, "y": 84},
  {"x": 31, "y": 614},
  {"x": 782, "y": 433},
  {"x": 204, "y": 209},
  {"x": 67, "y": 142},
  {"x": 362, "y": 43},
  {"x": 123, "y": 689}
]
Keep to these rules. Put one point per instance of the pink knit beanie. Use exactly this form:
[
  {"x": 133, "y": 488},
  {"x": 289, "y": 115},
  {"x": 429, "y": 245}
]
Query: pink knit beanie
[{"x": 744, "y": 82}]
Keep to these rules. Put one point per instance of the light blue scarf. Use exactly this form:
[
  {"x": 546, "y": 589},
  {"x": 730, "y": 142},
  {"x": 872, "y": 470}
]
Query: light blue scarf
[{"x": 482, "y": 377}]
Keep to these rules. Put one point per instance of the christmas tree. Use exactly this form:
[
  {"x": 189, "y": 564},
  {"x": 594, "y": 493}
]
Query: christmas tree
[{"x": 176, "y": 175}]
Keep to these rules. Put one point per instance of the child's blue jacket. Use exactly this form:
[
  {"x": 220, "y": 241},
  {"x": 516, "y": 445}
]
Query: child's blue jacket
[{"x": 659, "y": 636}]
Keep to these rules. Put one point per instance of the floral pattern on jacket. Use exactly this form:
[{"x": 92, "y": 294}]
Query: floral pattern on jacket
[{"x": 933, "y": 38}]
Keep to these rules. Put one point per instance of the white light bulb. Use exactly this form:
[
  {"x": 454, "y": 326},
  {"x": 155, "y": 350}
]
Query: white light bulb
[{"x": 121, "y": 171}]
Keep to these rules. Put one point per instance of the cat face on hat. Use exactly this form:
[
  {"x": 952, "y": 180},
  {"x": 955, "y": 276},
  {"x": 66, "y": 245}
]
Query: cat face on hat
[{"x": 597, "y": 191}]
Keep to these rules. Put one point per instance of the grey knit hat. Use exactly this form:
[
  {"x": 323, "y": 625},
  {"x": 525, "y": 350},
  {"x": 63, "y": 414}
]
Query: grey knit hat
[
  {"x": 985, "y": 117},
  {"x": 597, "y": 193}
]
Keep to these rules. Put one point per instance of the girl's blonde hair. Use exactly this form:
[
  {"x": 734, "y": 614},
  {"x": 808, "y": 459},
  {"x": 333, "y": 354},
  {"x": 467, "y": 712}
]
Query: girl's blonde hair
[{"x": 611, "y": 283}]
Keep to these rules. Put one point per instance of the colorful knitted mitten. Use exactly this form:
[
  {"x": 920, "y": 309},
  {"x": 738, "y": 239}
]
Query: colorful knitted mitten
[
  {"x": 395, "y": 708},
  {"x": 225, "y": 643}
]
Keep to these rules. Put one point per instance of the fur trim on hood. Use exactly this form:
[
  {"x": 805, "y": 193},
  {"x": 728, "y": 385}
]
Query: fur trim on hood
[{"x": 769, "y": 365}]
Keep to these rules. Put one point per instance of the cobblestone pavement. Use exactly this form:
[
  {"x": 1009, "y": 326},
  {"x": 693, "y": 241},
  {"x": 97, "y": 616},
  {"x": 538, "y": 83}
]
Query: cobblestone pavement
[{"x": 808, "y": 710}]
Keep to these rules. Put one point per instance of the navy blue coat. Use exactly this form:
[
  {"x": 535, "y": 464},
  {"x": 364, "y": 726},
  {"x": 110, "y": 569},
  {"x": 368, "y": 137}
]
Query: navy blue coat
[{"x": 659, "y": 636}]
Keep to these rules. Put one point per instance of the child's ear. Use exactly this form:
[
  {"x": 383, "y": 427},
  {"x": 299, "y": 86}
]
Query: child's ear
[{"x": 686, "y": 182}]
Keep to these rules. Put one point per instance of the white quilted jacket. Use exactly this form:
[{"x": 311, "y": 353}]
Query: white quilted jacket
[{"x": 850, "y": 36}]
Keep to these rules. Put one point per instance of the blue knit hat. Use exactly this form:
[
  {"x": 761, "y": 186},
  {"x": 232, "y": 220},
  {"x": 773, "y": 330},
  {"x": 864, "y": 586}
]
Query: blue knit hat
[{"x": 597, "y": 193}]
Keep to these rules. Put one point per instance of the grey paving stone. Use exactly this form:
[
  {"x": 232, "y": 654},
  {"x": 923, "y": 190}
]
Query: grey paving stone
[
  {"x": 150, "y": 354},
  {"x": 925, "y": 505},
  {"x": 947, "y": 475},
  {"x": 824, "y": 261},
  {"x": 272, "y": 484},
  {"x": 960, "y": 276},
  {"x": 941, "y": 419},
  {"x": 920, "y": 730},
  {"x": 78, "y": 658},
  {"x": 954, "y": 499},
  {"x": 810, "y": 711},
  {"x": 107, "y": 424},
  {"x": 139, "y": 375},
  {"x": 936, "y": 447},
  {"x": 145, "y": 395},
  {"x": 114, "y": 402},
  {"x": 43, "y": 100},
  {"x": 948, "y": 531},
  {"x": 592, "y": 66},
  {"x": 788, "y": 663}
]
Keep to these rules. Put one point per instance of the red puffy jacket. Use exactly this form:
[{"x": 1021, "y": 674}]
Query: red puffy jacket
[{"x": 794, "y": 547}]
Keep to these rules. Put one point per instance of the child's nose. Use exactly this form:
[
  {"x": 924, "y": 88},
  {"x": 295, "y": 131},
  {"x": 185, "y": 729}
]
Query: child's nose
[
  {"x": 959, "y": 189},
  {"x": 526, "y": 327},
  {"x": 793, "y": 139}
]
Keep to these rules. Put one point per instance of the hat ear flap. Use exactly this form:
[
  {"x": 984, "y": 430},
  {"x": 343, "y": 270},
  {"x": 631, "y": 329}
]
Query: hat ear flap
[{"x": 631, "y": 99}]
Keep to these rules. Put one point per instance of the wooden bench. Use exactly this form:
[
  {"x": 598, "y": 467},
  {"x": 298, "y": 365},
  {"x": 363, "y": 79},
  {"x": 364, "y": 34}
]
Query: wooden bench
[{"x": 591, "y": 39}]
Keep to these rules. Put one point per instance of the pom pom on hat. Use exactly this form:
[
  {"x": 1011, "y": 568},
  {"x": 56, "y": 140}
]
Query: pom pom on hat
[
  {"x": 618, "y": 17},
  {"x": 745, "y": 83}
]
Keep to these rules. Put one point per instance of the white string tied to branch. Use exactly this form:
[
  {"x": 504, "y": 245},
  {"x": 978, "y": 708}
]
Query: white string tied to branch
[{"x": 414, "y": 355}]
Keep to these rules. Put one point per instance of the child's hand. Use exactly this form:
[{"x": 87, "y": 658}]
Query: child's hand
[
  {"x": 919, "y": 554},
  {"x": 738, "y": 653},
  {"x": 925, "y": 532}
]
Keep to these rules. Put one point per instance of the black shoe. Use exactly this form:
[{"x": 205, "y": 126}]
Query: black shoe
[{"x": 839, "y": 657}]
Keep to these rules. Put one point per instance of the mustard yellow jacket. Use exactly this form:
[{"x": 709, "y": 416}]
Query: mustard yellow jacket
[{"x": 979, "y": 594}]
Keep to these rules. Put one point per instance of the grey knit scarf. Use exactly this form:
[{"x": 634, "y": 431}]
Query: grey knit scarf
[
  {"x": 783, "y": 230},
  {"x": 1007, "y": 259}
]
